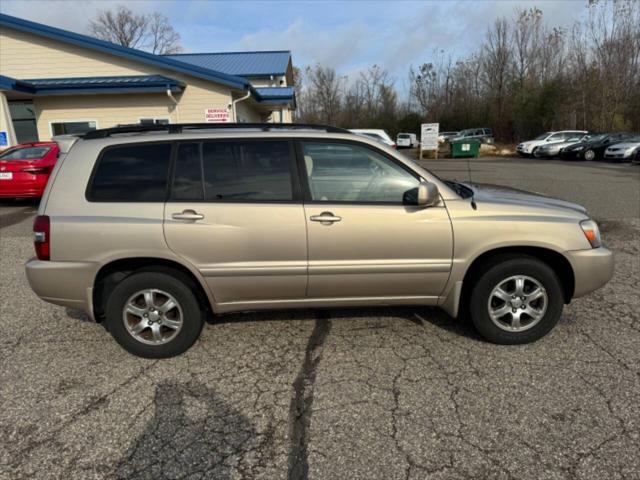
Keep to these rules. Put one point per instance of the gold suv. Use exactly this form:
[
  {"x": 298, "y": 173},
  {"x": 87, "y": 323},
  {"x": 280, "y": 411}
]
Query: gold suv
[{"x": 151, "y": 228}]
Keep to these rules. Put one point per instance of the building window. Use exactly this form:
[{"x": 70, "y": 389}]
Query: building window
[
  {"x": 154, "y": 121},
  {"x": 73, "y": 127}
]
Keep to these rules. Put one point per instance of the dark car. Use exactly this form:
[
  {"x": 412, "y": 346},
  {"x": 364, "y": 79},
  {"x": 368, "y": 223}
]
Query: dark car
[
  {"x": 593, "y": 147},
  {"x": 25, "y": 169}
]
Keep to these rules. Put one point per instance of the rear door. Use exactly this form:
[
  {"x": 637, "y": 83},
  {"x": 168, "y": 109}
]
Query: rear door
[
  {"x": 366, "y": 239},
  {"x": 235, "y": 213}
]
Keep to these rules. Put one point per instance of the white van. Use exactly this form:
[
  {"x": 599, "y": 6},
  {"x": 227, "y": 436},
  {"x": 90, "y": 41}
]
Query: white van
[
  {"x": 407, "y": 140},
  {"x": 377, "y": 134}
]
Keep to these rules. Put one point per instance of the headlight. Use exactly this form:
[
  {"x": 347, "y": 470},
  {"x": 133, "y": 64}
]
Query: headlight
[
  {"x": 580, "y": 148},
  {"x": 629, "y": 150},
  {"x": 592, "y": 232}
]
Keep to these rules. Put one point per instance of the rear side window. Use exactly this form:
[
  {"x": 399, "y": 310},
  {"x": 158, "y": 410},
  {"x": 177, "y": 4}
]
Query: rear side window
[
  {"x": 131, "y": 173},
  {"x": 233, "y": 171}
]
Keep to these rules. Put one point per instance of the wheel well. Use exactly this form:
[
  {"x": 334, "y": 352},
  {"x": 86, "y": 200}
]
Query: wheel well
[
  {"x": 112, "y": 273},
  {"x": 555, "y": 260}
]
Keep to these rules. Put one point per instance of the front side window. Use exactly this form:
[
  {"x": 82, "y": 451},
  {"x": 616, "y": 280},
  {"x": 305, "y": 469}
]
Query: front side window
[
  {"x": 66, "y": 128},
  {"x": 344, "y": 172},
  {"x": 131, "y": 173},
  {"x": 233, "y": 171}
]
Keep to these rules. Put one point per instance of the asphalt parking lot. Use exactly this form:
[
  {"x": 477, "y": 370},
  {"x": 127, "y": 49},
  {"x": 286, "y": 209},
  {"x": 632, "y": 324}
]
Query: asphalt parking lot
[{"x": 397, "y": 393}]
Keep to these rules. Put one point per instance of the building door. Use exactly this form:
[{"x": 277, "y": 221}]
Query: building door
[{"x": 23, "y": 117}]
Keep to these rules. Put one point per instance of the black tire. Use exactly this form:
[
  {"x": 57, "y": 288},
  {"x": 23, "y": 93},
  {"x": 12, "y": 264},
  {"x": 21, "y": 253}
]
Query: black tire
[
  {"x": 192, "y": 314},
  {"x": 501, "y": 268}
]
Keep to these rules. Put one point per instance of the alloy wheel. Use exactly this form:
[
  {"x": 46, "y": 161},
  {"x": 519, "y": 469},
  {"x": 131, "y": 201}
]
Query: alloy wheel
[
  {"x": 517, "y": 303},
  {"x": 152, "y": 316}
]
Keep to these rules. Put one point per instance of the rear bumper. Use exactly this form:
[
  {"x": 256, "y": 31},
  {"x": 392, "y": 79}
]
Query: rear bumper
[
  {"x": 69, "y": 284},
  {"x": 592, "y": 269},
  {"x": 22, "y": 188}
]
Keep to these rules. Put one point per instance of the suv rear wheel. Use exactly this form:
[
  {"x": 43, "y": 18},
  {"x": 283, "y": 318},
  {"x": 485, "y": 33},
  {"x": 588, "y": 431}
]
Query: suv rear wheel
[
  {"x": 153, "y": 315},
  {"x": 516, "y": 300}
]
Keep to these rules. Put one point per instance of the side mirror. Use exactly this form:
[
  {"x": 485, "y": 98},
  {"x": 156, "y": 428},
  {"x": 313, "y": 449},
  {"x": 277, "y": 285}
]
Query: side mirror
[
  {"x": 427, "y": 194},
  {"x": 424, "y": 195}
]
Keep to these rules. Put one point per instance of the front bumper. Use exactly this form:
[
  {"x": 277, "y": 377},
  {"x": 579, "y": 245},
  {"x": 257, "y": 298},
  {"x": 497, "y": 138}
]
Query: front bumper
[
  {"x": 572, "y": 155},
  {"x": 69, "y": 284},
  {"x": 591, "y": 268}
]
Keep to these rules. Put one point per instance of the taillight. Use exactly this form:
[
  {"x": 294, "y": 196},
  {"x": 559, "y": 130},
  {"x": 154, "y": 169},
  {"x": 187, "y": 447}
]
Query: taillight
[
  {"x": 42, "y": 237},
  {"x": 36, "y": 170}
]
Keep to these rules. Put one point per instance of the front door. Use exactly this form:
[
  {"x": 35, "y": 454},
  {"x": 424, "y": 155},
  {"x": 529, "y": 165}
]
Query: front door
[
  {"x": 235, "y": 214},
  {"x": 365, "y": 237}
]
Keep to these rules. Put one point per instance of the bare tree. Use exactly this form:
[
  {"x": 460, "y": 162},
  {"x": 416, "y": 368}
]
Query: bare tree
[
  {"x": 162, "y": 38},
  {"x": 151, "y": 32}
]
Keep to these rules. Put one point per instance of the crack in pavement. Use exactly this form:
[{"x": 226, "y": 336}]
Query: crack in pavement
[{"x": 302, "y": 401}]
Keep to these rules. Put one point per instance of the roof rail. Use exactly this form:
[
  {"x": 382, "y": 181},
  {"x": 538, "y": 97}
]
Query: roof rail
[{"x": 182, "y": 127}]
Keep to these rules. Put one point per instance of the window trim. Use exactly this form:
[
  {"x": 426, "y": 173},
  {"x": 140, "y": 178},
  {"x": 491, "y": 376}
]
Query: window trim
[
  {"x": 304, "y": 180},
  {"x": 75, "y": 120},
  {"x": 94, "y": 170},
  {"x": 296, "y": 190}
]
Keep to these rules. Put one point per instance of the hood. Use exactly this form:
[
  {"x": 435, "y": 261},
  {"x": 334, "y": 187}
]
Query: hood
[
  {"x": 625, "y": 145},
  {"x": 506, "y": 195}
]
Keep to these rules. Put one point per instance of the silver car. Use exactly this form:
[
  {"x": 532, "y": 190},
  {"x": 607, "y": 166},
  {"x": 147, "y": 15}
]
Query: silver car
[
  {"x": 551, "y": 150},
  {"x": 150, "y": 229}
]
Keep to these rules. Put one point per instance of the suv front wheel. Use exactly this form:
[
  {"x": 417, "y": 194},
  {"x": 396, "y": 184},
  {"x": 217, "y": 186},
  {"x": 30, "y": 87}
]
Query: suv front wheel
[
  {"x": 516, "y": 300},
  {"x": 153, "y": 315}
]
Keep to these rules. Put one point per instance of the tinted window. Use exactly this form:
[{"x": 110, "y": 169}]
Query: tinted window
[
  {"x": 132, "y": 173},
  {"x": 233, "y": 170},
  {"x": 187, "y": 179},
  {"x": 341, "y": 172}
]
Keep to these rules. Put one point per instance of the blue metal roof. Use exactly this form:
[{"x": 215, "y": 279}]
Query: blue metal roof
[
  {"x": 275, "y": 93},
  {"x": 251, "y": 63},
  {"x": 244, "y": 64},
  {"x": 92, "y": 85},
  {"x": 124, "y": 52}
]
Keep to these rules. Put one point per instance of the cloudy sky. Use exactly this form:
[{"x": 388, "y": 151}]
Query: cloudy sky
[{"x": 347, "y": 35}]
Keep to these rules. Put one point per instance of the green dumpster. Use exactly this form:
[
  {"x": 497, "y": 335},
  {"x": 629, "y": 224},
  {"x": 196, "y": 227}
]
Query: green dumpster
[{"x": 465, "y": 148}]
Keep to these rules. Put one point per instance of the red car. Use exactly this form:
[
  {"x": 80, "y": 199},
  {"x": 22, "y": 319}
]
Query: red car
[{"x": 25, "y": 169}]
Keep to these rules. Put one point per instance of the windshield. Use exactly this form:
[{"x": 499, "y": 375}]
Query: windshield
[
  {"x": 543, "y": 136},
  {"x": 375, "y": 136},
  {"x": 403, "y": 135},
  {"x": 597, "y": 138},
  {"x": 24, "y": 153}
]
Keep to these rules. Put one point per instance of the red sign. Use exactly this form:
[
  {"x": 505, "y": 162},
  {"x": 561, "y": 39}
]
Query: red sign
[{"x": 216, "y": 115}]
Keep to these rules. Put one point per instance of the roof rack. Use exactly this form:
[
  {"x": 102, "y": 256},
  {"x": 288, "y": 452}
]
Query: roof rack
[{"x": 182, "y": 127}]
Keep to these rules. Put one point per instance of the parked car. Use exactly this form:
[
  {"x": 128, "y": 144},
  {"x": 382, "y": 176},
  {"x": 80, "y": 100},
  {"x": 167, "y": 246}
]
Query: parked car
[
  {"x": 553, "y": 149},
  {"x": 628, "y": 150},
  {"x": 593, "y": 147},
  {"x": 526, "y": 149},
  {"x": 25, "y": 169},
  {"x": 407, "y": 140},
  {"x": 446, "y": 136},
  {"x": 485, "y": 135},
  {"x": 151, "y": 231},
  {"x": 377, "y": 134}
]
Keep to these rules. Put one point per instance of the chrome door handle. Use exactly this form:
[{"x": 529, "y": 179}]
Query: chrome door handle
[
  {"x": 325, "y": 217},
  {"x": 187, "y": 215}
]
